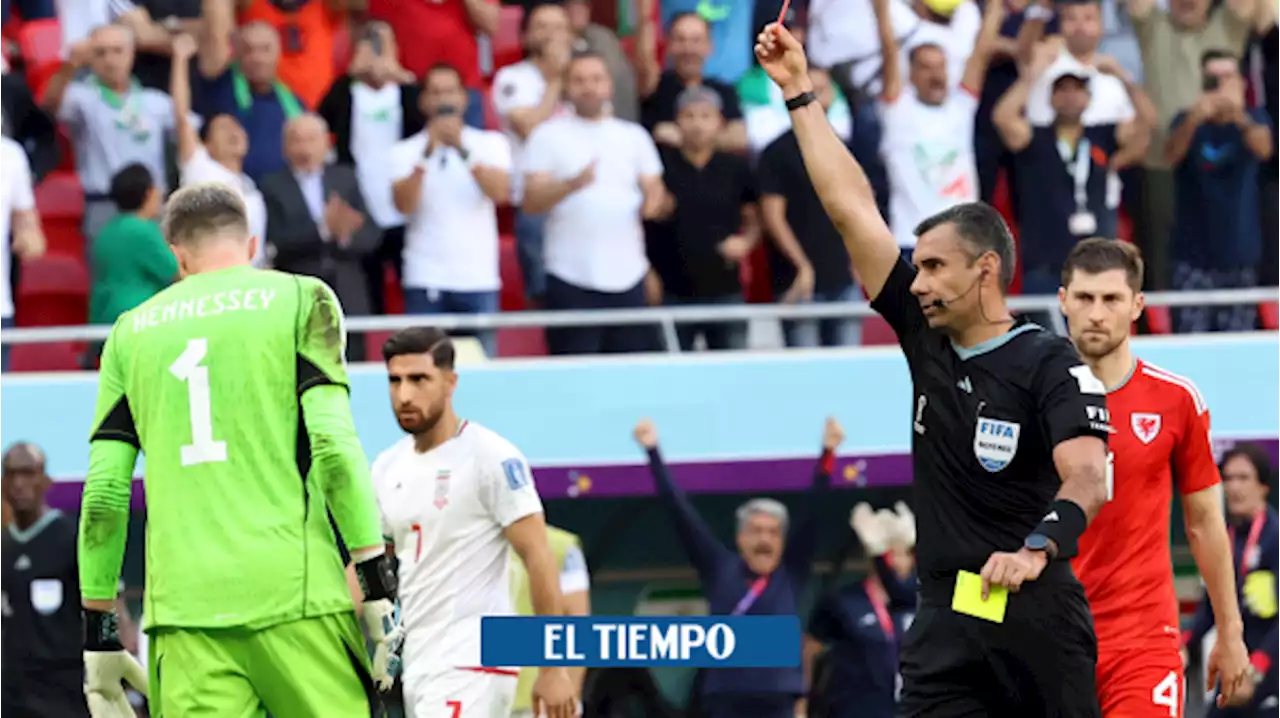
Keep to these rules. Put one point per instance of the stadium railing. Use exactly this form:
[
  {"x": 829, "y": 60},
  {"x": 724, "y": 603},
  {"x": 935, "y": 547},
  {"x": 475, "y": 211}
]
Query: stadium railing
[{"x": 669, "y": 317}]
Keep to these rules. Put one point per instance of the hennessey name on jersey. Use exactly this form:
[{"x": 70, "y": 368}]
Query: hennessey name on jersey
[{"x": 211, "y": 305}]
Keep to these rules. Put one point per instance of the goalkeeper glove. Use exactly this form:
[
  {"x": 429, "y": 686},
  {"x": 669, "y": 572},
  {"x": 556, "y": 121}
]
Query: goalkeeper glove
[
  {"x": 902, "y": 533},
  {"x": 106, "y": 664},
  {"x": 870, "y": 528},
  {"x": 381, "y": 619}
]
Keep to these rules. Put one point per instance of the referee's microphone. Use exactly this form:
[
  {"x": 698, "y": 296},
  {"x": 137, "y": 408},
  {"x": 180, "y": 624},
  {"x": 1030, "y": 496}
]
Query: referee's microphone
[{"x": 942, "y": 303}]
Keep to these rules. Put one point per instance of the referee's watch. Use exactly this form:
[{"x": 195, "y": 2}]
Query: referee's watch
[{"x": 1040, "y": 542}]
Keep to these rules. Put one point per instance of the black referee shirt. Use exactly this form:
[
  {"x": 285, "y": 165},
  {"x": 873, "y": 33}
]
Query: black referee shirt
[
  {"x": 41, "y": 595},
  {"x": 985, "y": 420}
]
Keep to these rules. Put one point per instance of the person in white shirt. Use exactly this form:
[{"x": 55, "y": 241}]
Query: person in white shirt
[
  {"x": 840, "y": 38},
  {"x": 1080, "y": 22},
  {"x": 447, "y": 180},
  {"x": 220, "y": 157},
  {"x": 927, "y": 141},
  {"x": 525, "y": 95},
  {"x": 113, "y": 121},
  {"x": 17, "y": 214},
  {"x": 455, "y": 498},
  {"x": 596, "y": 177}
]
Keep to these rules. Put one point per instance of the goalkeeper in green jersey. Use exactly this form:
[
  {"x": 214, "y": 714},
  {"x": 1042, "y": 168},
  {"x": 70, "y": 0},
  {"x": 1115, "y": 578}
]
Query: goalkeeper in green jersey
[{"x": 233, "y": 384}]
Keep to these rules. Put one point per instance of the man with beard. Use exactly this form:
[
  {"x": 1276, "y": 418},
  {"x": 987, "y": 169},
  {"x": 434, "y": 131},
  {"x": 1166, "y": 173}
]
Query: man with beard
[
  {"x": 455, "y": 499},
  {"x": 1161, "y": 437},
  {"x": 41, "y": 648},
  {"x": 767, "y": 576}
]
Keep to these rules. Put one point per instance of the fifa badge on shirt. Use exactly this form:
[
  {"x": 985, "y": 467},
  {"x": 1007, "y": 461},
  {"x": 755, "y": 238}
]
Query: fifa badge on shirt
[
  {"x": 1145, "y": 426},
  {"x": 442, "y": 489},
  {"x": 1082, "y": 224},
  {"x": 995, "y": 443},
  {"x": 46, "y": 595}
]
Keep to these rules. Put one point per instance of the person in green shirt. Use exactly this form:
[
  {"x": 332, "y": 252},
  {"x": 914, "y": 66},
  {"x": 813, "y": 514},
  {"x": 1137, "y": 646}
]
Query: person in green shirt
[
  {"x": 129, "y": 260},
  {"x": 233, "y": 384}
]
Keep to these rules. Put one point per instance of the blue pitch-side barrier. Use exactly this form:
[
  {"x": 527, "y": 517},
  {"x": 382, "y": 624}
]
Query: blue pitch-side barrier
[{"x": 730, "y": 422}]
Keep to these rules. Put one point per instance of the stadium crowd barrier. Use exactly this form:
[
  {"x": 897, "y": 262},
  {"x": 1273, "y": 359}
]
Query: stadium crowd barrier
[
  {"x": 731, "y": 422},
  {"x": 669, "y": 317}
]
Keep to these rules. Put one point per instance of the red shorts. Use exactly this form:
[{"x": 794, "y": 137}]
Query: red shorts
[{"x": 1141, "y": 682}]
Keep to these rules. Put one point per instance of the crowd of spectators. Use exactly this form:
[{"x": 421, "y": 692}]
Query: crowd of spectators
[{"x": 634, "y": 154}]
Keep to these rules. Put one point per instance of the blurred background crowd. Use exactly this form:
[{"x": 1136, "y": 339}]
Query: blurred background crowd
[{"x": 461, "y": 156}]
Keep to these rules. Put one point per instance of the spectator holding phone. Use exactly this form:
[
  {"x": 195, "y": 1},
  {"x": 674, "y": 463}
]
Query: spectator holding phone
[
  {"x": 1217, "y": 148},
  {"x": 369, "y": 110},
  {"x": 448, "y": 180}
]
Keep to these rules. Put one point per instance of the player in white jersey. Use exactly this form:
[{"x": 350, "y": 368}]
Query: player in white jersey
[{"x": 455, "y": 498}]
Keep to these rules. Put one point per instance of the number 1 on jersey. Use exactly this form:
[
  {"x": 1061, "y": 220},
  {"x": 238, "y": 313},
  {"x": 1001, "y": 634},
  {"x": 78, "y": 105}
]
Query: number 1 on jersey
[
  {"x": 1111, "y": 475},
  {"x": 203, "y": 448}
]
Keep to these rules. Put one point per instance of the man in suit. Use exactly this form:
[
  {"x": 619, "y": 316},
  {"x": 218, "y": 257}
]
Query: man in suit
[{"x": 316, "y": 218}]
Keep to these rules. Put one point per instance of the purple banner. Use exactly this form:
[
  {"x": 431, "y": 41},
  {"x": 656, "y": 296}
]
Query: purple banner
[
  {"x": 748, "y": 476},
  {"x": 722, "y": 477}
]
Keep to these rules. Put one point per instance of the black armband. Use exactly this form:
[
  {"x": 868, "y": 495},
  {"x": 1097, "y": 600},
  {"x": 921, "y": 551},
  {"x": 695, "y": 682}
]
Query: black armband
[
  {"x": 1063, "y": 525},
  {"x": 101, "y": 631},
  {"x": 377, "y": 578}
]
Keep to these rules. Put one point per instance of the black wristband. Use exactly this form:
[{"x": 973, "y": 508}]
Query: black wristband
[
  {"x": 377, "y": 578},
  {"x": 101, "y": 631},
  {"x": 1063, "y": 524},
  {"x": 800, "y": 100}
]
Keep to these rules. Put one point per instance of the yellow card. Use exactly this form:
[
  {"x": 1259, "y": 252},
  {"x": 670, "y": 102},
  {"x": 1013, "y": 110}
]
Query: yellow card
[
  {"x": 967, "y": 598},
  {"x": 1260, "y": 594}
]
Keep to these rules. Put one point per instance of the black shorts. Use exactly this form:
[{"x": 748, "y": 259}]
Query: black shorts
[{"x": 1038, "y": 663}]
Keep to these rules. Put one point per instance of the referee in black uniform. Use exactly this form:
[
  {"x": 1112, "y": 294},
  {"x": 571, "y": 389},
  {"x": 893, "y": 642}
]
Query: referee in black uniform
[
  {"x": 1010, "y": 443},
  {"x": 43, "y": 674}
]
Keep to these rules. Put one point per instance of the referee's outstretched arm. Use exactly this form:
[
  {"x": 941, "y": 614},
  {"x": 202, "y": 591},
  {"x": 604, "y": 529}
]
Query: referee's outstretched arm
[{"x": 836, "y": 176}]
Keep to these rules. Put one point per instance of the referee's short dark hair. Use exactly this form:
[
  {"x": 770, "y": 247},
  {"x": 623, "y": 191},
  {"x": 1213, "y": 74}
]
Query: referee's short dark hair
[
  {"x": 421, "y": 340},
  {"x": 983, "y": 229},
  {"x": 131, "y": 186},
  {"x": 1099, "y": 254}
]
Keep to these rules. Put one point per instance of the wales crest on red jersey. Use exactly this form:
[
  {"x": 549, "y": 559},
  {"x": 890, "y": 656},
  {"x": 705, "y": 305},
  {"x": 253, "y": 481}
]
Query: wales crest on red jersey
[{"x": 1145, "y": 426}]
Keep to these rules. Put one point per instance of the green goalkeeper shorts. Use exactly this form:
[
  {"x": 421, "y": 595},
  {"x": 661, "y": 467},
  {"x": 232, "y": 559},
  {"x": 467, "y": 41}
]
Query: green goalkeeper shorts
[{"x": 305, "y": 668}]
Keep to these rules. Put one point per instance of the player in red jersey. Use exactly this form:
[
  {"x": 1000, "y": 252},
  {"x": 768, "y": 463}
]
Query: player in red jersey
[{"x": 1161, "y": 438}]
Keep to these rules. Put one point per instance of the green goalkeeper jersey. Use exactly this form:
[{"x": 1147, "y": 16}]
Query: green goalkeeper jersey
[{"x": 208, "y": 380}]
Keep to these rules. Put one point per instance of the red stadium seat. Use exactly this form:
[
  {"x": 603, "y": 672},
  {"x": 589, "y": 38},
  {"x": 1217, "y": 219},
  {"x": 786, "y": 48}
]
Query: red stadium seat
[
  {"x": 512, "y": 295},
  {"x": 1159, "y": 320},
  {"x": 61, "y": 356},
  {"x": 492, "y": 120},
  {"x": 757, "y": 288},
  {"x": 1269, "y": 314},
  {"x": 392, "y": 292},
  {"x": 66, "y": 152},
  {"x": 54, "y": 291},
  {"x": 523, "y": 342},
  {"x": 60, "y": 201},
  {"x": 877, "y": 332},
  {"x": 373, "y": 342},
  {"x": 507, "y": 49},
  {"x": 60, "y": 195},
  {"x": 40, "y": 42}
]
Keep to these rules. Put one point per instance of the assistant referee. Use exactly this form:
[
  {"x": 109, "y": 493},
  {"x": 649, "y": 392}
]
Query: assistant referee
[{"x": 1010, "y": 445}]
